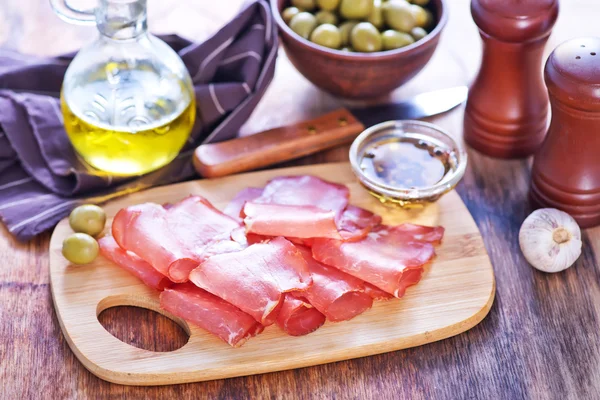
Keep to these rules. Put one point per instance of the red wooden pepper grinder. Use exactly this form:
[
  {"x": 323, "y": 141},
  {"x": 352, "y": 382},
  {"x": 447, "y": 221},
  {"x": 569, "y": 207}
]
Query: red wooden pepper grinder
[
  {"x": 566, "y": 170},
  {"x": 507, "y": 110}
]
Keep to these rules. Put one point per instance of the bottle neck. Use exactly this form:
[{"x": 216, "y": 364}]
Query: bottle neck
[{"x": 122, "y": 19}]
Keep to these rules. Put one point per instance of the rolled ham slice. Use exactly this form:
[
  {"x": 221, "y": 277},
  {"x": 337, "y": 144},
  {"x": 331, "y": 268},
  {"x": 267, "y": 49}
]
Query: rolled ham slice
[
  {"x": 389, "y": 257},
  {"x": 133, "y": 264},
  {"x": 334, "y": 293},
  {"x": 290, "y": 221},
  {"x": 235, "y": 206},
  {"x": 211, "y": 313},
  {"x": 172, "y": 240},
  {"x": 306, "y": 190},
  {"x": 256, "y": 278},
  {"x": 298, "y": 318},
  {"x": 144, "y": 230}
]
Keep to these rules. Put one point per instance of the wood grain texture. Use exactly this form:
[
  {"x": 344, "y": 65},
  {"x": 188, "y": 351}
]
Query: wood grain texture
[
  {"x": 277, "y": 144},
  {"x": 455, "y": 293},
  {"x": 539, "y": 341}
]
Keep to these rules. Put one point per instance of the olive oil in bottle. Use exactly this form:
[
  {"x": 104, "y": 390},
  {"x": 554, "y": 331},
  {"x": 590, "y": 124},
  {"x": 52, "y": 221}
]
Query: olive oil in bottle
[
  {"x": 127, "y": 99},
  {"x": 113, "y": 133}
]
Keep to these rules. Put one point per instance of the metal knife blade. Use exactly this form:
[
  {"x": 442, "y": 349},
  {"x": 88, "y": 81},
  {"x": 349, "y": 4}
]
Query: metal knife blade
[{"x": 422, "y": 105}]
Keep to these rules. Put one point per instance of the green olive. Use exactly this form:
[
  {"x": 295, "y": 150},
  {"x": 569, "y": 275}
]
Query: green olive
[
  {"x": 376, "y": 16},
  {"x": 420, "y": 2},
  {"x": 345, "y": 30},
  {"x": 327, "y": 35},
  {"x": 88, "y": 218},
  {"x": 80, "y": 248},
  {"x": 305, "y": 5},
  {"x": 355, "y": 9},
  {"x": 328, "y": 5},
  {"x": 303, "y": 24},
  {"x": 420, "y": 15},
  {"x": 289, "y": 13},
  {"x": 418, "y": 33},
  {"x": 398, "y": 15},
  {"x": 326, "y": 17},
  {"x": 365, "y": 38},
  {"x": 429, "y": 21},
  {"x": 394, "y": 40}
]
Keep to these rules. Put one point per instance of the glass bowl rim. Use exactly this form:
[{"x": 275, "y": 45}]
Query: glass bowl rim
[{"x": 438, "y": 189}]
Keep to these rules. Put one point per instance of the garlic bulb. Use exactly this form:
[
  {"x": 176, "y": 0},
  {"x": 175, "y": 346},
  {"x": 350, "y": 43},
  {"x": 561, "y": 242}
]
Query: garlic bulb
[{"x": 550, "y": 240}]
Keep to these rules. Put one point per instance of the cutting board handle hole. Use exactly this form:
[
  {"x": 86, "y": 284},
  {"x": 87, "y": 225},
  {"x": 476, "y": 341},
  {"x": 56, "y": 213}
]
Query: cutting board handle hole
[{"x": 142, "y": 324}]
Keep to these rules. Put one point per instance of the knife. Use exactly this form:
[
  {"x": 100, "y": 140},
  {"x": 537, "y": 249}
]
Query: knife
[{"x": 335, "y": 128}]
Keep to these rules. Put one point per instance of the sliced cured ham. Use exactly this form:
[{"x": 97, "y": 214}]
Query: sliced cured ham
[
  {"x": 422, "y": 233},
  {"x": 144, "y": 230},
  {"x": 235, "y": 206},
  {"x": 306, "y": 190},
  {"x": 334, "y": 293},
  {"x": 256, "y": 278},
  {"x": 172, "y": 240},
  {"x": 356, "y": 222},
  {"x": 211, "y": 313},
  {"x": 389, "y": 257},
  {"x": 298, "y": 318},
  {"x": 290, "y": 221},
  {"x": 133, "y": 264},
  {"x": 376, "y": 293}
]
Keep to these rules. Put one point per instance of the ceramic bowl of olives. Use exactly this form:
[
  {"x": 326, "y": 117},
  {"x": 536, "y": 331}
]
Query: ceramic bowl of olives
[{"x": 359, "y": 48}]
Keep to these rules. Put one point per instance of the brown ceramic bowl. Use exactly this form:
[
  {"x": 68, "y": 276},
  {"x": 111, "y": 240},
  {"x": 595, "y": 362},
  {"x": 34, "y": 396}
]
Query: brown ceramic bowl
[{"x": 359, "y": 75}]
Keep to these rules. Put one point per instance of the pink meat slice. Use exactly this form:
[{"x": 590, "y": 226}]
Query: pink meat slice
[
  {"x": 144, "y": 230},
  {"x": 356, "y": 222},
  {"x": 376, "y": 293},
  {"x": 256, "y": 278},
  {"x": 172, "y": 240},
  {"x": 306, "y": 190},
  {"x": 290, "y": 221},
  {"x": 133, "y": 264},
  {"x": 389, "y": 257},
  {"x": 298, "y": 318},
  {"x": 334, "y": 293},
  {"x": 235, "y": 206},
  {"x": 211, "y": 313}
]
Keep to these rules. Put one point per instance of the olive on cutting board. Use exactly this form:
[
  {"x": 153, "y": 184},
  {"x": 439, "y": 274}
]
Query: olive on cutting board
[
  {"x": 80, "y": 248},
  {"x": 88, "y": 218},
  {"x": 365, "y": 26}
]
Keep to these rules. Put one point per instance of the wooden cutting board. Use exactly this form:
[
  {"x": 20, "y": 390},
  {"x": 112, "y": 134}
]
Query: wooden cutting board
[{"x": 454, "y": 295}]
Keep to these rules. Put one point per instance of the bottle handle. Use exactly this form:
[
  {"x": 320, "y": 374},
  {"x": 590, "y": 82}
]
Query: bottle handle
[{"x": 73, "y": 15}]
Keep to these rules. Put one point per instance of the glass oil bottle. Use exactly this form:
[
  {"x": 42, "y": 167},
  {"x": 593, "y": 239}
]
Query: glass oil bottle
[{"x": 127, "y": 99}]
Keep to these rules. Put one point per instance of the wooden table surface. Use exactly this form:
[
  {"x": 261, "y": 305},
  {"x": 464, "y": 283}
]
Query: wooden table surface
[{"x": 540, "y": 340}]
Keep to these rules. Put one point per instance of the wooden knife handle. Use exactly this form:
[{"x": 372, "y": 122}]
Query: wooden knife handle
[{"x": 276, "y": 145}]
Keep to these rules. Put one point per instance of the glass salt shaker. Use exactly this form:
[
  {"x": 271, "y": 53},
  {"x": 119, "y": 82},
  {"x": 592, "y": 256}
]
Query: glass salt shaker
[{"x": 127, "y": 98}]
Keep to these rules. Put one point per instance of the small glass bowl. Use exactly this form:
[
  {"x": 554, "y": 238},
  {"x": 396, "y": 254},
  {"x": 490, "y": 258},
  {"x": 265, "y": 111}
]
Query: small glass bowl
[{"x": 405, "y": 196}]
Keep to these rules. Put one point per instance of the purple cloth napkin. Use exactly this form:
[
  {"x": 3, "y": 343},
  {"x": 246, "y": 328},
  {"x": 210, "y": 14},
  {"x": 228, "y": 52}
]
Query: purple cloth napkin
[{"x": 41, "y": 177}]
